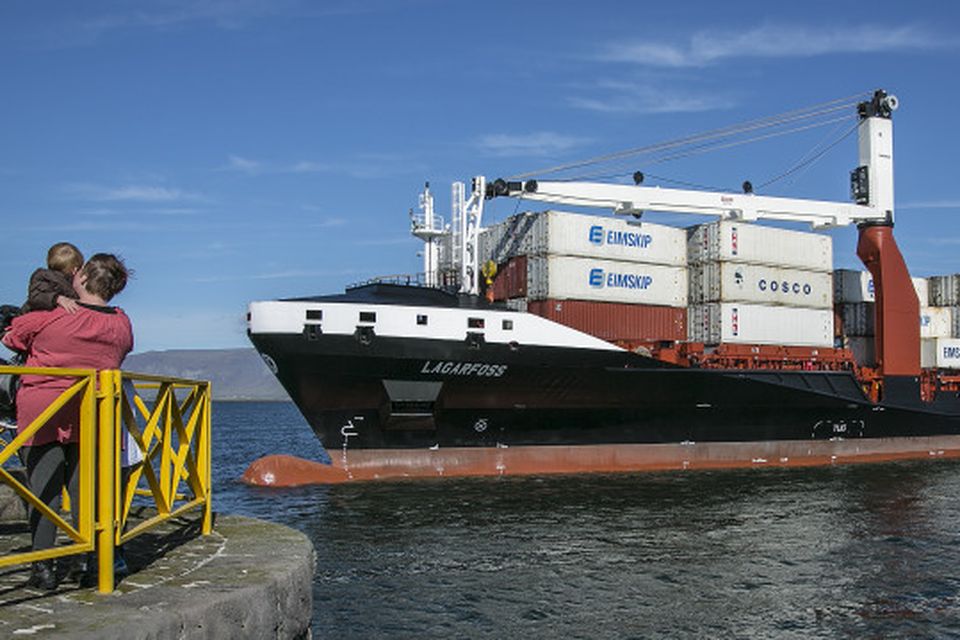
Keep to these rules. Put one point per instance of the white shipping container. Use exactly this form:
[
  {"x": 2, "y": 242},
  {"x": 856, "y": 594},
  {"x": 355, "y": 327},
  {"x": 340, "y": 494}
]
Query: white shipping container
[
  {"x": 936, "y": 322},
  {"x": 507, "y": 239},
  {"x": 940, "y": 353},
  {"x": 859, "y": 320},
  {"x": 760, "y": 324},
  {"x": 574, "y": 278},
  {"x": 945, "y": 290},
  {"x": 734, "y": 241},
  {"x": 574, "y": 234},
  {"x": 850, "y": 285},
  {"x": 607, "y": 238},
  {"x": 739, "y": 282}
]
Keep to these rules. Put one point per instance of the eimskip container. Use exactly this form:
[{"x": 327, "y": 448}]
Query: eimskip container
[
  {"x": 574, "y": 234},
  {"x": 738, "y": 323},
  {"x": 851, "y": 285},
  {"x": 761, "y": 284},
  {"x": 942, "y": 353},
  {"x": 573, "y": 278},
  {"x": 734, "y": 241}
]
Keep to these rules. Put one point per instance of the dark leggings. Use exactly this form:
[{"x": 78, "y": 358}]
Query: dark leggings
[{"x": 50, "y": 467}]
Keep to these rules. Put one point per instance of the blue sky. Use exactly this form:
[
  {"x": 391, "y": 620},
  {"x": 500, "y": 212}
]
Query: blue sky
[{"x": 236, "y": 150}]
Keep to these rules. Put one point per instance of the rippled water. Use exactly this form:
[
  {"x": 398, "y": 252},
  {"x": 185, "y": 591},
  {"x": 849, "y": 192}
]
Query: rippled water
[{"x": 869, "y": 551}]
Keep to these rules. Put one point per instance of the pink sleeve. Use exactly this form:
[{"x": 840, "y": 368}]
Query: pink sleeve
[{"x": 22, "y": 330}]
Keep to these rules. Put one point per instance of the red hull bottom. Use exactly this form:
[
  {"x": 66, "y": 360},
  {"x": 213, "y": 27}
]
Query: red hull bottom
[{"x": 386, "y": 464}]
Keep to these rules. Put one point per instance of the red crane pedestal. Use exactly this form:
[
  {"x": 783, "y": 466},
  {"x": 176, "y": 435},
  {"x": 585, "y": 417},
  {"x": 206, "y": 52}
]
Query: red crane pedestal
[{"x": 897, "y": 313}]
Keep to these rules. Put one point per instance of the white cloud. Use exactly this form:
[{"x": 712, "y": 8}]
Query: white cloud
[
  {"x": 610, "y": 96},
  {"x": 360, "y": 165},
  {"x": 776, "y": 41},
  {"x": 237, "y": 163},
  {"x": 542, "y": 143},
  {"x": 133, "y": 193}
]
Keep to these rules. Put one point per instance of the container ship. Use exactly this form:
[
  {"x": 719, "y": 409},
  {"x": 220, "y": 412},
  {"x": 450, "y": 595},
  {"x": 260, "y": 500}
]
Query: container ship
[{"x": 561, "y": 342}]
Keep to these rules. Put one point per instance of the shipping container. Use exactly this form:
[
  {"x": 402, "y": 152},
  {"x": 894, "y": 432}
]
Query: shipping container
[
  {"x": 940, "y": 353},
  {"x": 945, "y": 290},
  {"x": 850, "y": 285},
  {"x": 728, "y": 322},
  {"x": 859, "y": 319},
  {"x": 936, "y": 322},
  {"x": 864, "y": 350},
  {"x": 734, "y": 241},
  {"x": 760, "y": 284},
  {"x": 507, "y": 239},
  {"x": 511, "y": 279},
  {"x": 574, "y": 234},
  {"x": 566, "y": 277},
  {"x": 616, "y": 321}
]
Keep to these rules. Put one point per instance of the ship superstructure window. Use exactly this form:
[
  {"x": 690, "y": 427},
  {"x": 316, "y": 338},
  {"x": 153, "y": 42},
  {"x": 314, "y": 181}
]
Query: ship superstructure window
[
  {"x": 368, "y": 316},
  {"x": 421, "y": 319},
  {"x": 507, "y": 325},
  {"x": 314, "y": 314},
  {"x": 475, "y": 323}
]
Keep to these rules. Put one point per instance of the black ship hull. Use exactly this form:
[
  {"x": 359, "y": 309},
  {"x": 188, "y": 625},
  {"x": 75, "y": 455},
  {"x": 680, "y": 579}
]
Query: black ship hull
[{"x": 370, "y": 396}]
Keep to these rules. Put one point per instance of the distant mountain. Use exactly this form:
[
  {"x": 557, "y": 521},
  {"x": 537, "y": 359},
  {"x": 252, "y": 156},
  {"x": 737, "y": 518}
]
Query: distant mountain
[{"x": 236, "y": 374}]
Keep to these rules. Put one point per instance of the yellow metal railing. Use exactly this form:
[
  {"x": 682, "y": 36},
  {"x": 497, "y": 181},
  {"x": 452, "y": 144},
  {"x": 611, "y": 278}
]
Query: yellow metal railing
[{"x": 163, "y": 436}]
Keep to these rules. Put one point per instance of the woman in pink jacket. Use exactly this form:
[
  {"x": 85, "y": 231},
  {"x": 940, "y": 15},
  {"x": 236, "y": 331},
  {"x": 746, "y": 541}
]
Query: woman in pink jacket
[{"x": 97, "y": 336}]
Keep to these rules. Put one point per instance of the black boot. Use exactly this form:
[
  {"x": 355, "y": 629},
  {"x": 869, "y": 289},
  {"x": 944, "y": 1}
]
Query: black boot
[{"x": 43, "y": 575}]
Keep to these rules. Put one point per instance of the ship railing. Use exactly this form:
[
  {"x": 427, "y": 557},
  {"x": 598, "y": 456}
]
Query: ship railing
[
  {"x": 447, "y": 280},
  {"x": 152, "y": 438}
]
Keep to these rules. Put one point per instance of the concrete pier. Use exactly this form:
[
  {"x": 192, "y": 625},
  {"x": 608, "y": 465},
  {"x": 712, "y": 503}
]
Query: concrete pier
[{"x": 248, "y": 579}]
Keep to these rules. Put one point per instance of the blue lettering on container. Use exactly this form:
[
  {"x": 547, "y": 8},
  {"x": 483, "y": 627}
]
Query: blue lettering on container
[
  {"x": 596, "y": 234},
  {"x": 596, "y": 278},
  {"x": 629, "y": 239},
  {"x": 951, "y": 353},
  {"x": 629, "y": 280}
]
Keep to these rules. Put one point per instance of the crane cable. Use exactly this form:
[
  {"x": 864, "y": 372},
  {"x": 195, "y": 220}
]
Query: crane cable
[{"x": 794, "y": 116}]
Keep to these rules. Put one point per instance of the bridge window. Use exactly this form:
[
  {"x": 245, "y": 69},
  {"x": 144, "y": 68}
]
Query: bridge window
[
  {"x": 421, "y": 319},
  {"x": 368, "y": 316},
  {"x": 507, "y": 325},
  {"x": 314, "y": 314},
  {"x": 475, "y": 323}
]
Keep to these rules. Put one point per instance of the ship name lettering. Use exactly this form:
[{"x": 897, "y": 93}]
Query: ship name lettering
[{"x": 478, "y": 369}]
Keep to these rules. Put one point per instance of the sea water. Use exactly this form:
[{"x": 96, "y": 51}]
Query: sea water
[{"x": 865, "y": 551}]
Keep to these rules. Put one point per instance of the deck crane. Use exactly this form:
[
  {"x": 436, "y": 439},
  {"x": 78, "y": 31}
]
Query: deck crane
[{"x": 897, "y": 305}]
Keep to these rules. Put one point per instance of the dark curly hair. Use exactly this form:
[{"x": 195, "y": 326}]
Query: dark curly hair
[{"x": 106, "y": 275}]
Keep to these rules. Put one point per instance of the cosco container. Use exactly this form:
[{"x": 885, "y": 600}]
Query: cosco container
[
  {"x": 740, "y": 282},
  {"x": 729, "y": 322},
  {"x": 940, "y": 353},
  {"x": 571, "y": 278},
  {"x": 850, "y": 285},
  {"x": 615, "y": 321},
  {"x": 574, "y": 234},
  {"x": 945, "y": 290},
  {"x": 734, "y": 241}
]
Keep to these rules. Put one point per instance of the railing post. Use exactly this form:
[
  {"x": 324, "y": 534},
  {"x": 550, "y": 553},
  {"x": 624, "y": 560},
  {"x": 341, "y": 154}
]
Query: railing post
[
  {"x": 205, "y": 452},
  {"x": 106, "y": 459}
]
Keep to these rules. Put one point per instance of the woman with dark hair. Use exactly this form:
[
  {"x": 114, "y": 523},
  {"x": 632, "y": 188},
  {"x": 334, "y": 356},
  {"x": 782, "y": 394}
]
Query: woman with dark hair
[{"x": 97, "y": 336}]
